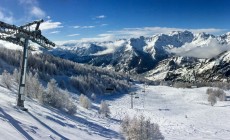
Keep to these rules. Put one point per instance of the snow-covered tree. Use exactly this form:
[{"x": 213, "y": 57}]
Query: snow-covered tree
[
  {"x": 70, "y": 107},
  {"x": 140, "y": 129},
  {"x": 218, "y": 93},
  {"x": 212, "y": 99},
  {"x": 7, "y": 79},
  {"x": 104, "y": 109},
  {"x": 57, "y": 98},
  {"x": 16, "y": 76},
  {"x": 85, "y": 101}
]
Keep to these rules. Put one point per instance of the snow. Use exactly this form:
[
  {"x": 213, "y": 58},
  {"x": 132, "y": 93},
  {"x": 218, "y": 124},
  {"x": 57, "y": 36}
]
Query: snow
[
  {"x": 43, "y": 122},
  {"x": 181, "y": 114}
]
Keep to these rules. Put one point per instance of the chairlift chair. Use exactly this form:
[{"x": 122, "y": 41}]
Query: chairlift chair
[
  {"x": 137, "y": 97},
  {"x": 109, "y": 87}
]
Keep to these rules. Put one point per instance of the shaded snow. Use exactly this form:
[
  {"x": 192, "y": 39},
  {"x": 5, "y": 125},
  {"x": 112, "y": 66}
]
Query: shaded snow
[{"x": 42, "y": 122}]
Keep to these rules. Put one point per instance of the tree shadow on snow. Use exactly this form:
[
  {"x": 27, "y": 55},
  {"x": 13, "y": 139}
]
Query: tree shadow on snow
[
  {"x": 97, "y": 129},
  {"x": 60, "y": 122},
  {"x": 49, "y": 128},
  {"x": 16, "y": 124}
]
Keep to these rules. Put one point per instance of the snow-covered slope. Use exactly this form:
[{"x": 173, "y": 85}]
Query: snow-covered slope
[
  {"x": 46, "y": 123},
  {"x": 182, "y": 114}
]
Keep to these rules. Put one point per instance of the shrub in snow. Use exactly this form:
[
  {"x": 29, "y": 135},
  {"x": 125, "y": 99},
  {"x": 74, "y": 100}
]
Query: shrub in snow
[
  {"x": 209, "y": 90},
  {"x": 222, "y": 96},
  {"x": 16, "y": 76},
  {"x": 7, "y": 80},
  {"x": 58, "y": 99},
  {"x": 212, "y": 98},
  {"x": 182, "y": 85},
  {"x": 70, "y": 107},
  {"x": 33, "y": 87},
  {"x": 140, "y": 129},
  {"x": 85, "y": 101},
  {"x": 219, "y": 93},
  {"x": 104, "y": 109}
]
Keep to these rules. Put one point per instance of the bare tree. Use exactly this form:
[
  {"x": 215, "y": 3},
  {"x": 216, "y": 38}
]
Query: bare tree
[
  {"x": 212, "y": 99},
  {"x": 104, "y": 108},
  {"x": 85, "y": 101},
  {"x": 7, "y": 79},
  {"x": 140, "y": 129}
]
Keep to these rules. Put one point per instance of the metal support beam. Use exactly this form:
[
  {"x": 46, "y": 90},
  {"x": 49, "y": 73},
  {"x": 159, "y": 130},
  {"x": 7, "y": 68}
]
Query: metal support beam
[
  {"x": 131, "y": 101},
  {"x": 131, "y": 95},
  {"x": 21, "y": 92}
]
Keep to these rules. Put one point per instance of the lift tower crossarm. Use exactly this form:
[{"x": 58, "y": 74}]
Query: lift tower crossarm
[{"x": 20, "y": 32}]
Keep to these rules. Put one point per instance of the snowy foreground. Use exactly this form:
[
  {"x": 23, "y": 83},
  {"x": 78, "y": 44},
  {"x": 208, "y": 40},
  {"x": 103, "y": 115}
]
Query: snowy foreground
[
  {"x": 182, "y": 114},
  {"x": 44, "y": 123}
]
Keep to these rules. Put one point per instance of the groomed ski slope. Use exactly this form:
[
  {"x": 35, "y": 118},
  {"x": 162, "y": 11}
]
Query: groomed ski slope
[{"x": 182, "y": 114}]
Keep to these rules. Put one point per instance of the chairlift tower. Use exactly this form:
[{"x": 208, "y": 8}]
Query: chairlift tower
[
  {"x": 21, "y": 35},
  {"x": 143, "y": 95}
]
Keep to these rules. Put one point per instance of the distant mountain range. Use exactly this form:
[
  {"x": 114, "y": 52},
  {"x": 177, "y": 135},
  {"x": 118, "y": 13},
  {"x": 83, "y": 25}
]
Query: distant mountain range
[{"x": 174, "y": 56}]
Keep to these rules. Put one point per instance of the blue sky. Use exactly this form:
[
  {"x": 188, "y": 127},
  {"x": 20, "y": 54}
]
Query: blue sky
[{"x": 111, "y": 19}]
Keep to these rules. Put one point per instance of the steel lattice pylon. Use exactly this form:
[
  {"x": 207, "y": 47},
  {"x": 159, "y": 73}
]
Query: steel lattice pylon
[{"x": 21, "y": 35}]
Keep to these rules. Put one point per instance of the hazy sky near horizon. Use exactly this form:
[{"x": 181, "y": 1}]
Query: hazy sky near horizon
[{"x": 111, "y": 19}]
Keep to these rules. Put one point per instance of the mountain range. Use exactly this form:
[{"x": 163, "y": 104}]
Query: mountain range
[{"x": 178, "y": 55}]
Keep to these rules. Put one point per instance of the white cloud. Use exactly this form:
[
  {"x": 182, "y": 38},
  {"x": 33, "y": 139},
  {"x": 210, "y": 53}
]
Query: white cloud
[
  {"x": 83, "y": 27},
  {"x": 149, "y": 31},
  {"x": 6, "y": 16},
  {"x": 87, "y": 27},
  {"x": 37, "y": 12},
  {"x": 54, "y": 32},
  {"x": 104, "y": 24},
  {"x": 105, "y": 35},
  {"x": 49, "y": 24},
  {"x": 99, "y": 38},
  {"x": 210, "y": 49},
  {"x": 71, "y": 35},
  {"x": 77, "y": 27},
  {"x": 101, "y": 16},
  {"x": 32, "y": 8},
  {"x": 111, "y": 46}
]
